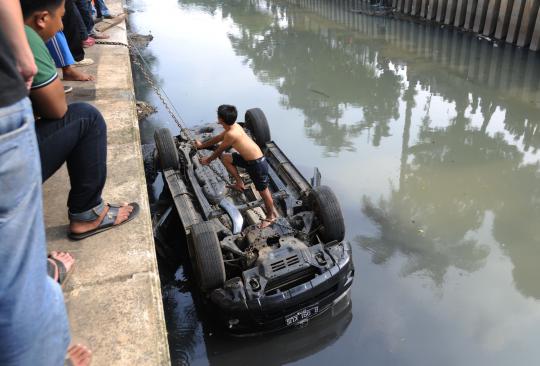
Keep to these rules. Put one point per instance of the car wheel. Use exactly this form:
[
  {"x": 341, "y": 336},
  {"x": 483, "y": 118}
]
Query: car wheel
[
  {"x": 207, "y": 258},
  {"x": 166, "y": 148},
  {"x": 257, "y": 124},
  {"x": 328, "y": 211}
]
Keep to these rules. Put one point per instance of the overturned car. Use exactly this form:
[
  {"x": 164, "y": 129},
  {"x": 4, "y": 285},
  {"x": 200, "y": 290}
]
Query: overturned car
[{"x": 257, "y": 279}]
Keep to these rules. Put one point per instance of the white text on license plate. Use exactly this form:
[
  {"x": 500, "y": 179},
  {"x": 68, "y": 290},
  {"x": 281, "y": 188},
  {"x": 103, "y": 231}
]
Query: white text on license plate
[{"x": 301, "y": 315}]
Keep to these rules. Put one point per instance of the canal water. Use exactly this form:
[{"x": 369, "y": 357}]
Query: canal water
[{"x": 428, "y": 136}]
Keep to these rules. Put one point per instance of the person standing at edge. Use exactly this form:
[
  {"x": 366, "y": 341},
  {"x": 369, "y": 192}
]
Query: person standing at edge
[{"x": 33, "y": 321}]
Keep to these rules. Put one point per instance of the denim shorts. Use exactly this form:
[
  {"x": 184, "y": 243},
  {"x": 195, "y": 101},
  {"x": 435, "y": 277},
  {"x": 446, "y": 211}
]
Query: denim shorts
[{"x": 257, "y": 170}]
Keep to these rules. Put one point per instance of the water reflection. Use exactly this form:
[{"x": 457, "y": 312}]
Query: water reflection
[
  {"x": 279, "y": 349},
  {"x": 183, "y": 322},
  {"x": 450, "y": 177},
  {"x": 324, "y": 74},
  {"x": 430, "y": 138},
  {"x": 348, "y": 84},
  {"x": 328, "y": 70}
]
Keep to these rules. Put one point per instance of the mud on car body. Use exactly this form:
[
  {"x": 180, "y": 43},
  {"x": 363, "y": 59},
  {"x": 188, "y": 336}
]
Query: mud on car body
[{"x": 257, "y": 280}]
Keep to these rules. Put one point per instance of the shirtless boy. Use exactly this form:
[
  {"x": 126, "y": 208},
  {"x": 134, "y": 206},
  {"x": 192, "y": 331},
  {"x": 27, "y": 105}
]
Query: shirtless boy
[{"x": 249, "y": 157}]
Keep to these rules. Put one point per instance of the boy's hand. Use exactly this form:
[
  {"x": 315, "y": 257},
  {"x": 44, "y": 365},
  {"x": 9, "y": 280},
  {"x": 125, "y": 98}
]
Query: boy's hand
[
  {"x": 205, "y": 161},
  {"x": 197, "y": 144}
]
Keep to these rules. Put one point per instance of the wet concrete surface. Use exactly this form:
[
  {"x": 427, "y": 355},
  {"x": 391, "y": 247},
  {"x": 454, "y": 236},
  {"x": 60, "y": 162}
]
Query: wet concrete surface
[{"x": 428, "y": 136}]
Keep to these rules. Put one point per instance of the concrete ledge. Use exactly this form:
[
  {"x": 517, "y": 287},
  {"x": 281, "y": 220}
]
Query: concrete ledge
[
  {"x": 114, "y": 295},
  {"x": 513, "y": 21}
]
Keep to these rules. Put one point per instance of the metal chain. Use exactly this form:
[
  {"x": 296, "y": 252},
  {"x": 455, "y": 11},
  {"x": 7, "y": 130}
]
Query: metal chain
[
  {"x": 164, "y": 99},
  {"x": 145, "y": 69}
]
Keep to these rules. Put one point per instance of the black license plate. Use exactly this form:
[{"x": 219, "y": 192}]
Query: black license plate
[{"x": 302, "y": 315}]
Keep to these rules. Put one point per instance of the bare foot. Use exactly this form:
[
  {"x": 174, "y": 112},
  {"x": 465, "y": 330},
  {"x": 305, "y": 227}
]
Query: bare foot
[
  {"x": 88, "y": 42},
  {"x": 270, "y": 219},
  {"x": 64, "y": 257},
  {"x": 79, "y": 227},
  {"x": 99, "y": 35},
  {"x": 79, "y": 355},
  {"x": 56, "y": 261},
  {"x": 239, "y": 186},
  {"x": 72, "y": 74}
]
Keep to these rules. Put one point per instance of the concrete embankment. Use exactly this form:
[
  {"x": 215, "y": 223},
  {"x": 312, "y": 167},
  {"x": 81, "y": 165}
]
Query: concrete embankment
[
  {"x": 507, "y": 70},
  {"x": 113, "y": 297},
  {"x": 516, "y": 22}
]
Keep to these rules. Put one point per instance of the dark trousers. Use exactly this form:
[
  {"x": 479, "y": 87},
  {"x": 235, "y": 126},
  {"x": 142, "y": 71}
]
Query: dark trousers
[
  {"x": 74, "y": 30},
  {"x": 99, "y": 13},
  {"x": 101, "y": 8},
  {"x": 80, "y": 139},
  {"x": 85, "y": 8}
]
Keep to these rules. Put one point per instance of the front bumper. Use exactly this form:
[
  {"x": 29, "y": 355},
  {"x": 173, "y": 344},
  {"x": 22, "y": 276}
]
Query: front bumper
[{"x": 268, "y": 313}]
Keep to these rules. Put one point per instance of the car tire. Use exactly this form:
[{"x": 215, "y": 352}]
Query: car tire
[
  {"x": 207, "y": 258},
  {"x": 328, "y": 211},
  {"x": 166, "y": 148},
  {"x": 257, "y": 124}
]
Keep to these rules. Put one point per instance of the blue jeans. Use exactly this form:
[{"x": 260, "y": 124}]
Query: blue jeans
[
  {"x": 33, "y": 321},
  {"x": 101, "y": 9}
]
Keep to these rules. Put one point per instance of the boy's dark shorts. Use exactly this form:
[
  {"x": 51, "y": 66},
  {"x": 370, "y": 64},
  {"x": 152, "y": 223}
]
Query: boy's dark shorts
[{"x": 257, "y": 170}]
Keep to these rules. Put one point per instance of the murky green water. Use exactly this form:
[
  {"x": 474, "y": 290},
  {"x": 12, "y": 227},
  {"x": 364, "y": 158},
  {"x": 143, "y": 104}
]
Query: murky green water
[{"x": 430, "y": 139}]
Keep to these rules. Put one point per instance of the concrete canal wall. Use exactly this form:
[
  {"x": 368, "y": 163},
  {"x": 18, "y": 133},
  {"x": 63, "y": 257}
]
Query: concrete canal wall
[
  {"x": 513, "y": 21},
  {"x": 451, "y": 64},
  {"x": 510, "y": 70},
  {"x": 113, "y": 296}
]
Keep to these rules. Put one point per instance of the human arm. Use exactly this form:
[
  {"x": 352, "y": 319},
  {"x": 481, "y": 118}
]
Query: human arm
[
  {"x": 49, "y": 101},
  {"x": 227, "y": 142},
  {"x": 214, "y": 140},
  {"x": 11, "y": 23}
]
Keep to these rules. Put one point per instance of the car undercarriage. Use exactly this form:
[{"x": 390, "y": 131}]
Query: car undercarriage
[{"x": 258, "y": 279}]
